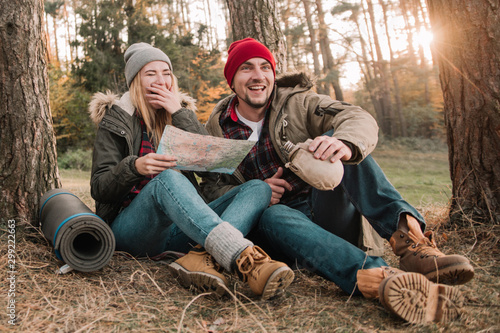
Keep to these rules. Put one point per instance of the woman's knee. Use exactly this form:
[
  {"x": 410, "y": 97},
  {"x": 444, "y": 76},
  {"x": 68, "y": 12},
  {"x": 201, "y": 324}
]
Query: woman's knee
[
  {"x": 169, "y": 174},
  {"x": 171, "y": 179}
]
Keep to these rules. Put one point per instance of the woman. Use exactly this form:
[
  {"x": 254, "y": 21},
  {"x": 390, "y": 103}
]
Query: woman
[{"x": 152, "y": 208}]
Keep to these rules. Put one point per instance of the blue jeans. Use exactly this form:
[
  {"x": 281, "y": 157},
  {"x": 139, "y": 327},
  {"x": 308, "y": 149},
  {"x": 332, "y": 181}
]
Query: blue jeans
[
  {"x": 169, "y": 214},
  {"x": 304, "y": 230}
]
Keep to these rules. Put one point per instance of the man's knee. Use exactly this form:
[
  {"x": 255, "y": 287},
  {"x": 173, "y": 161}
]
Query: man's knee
[{"x": 260, "y": 186}]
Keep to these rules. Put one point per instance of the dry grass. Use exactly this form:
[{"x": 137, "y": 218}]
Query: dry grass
[{"x": 141, "y": 295}]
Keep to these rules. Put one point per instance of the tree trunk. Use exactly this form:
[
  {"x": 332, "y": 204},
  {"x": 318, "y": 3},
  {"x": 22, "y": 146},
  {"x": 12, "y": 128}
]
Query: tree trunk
[
  {"x": 185, "y": 15},
  {"x": 330, "y": 70},
  {"x": 54, "y": 20},
  {"x": 259, "y": 19},
  {"x": 312, "y": 36},
  {"x": 68, "y": 35},
  {"x": 403, "y": 4},
  {"x": 424, "y": 73},
  {"x": 28, "y": 162},
  {"x": 285, "y": 12},
  {"x": 401, "y": 129},
  {"x": 387, "y": 121},
  {"x": 47, "y": 37},
  {"x": 467, "y": 49}
]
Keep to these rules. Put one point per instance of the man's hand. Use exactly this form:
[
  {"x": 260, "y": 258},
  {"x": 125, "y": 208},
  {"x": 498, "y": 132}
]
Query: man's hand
[
  {"x": 325, "y": 146},
  {"x": 278, "y": 186},
  {"x": 153, "y": 164}
]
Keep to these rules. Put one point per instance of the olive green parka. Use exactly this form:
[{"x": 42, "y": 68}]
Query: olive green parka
[{"x": 117, "y": 144}]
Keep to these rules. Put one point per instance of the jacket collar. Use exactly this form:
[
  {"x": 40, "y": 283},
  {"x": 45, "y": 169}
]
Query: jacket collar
[{"x": 101, "y": 102}]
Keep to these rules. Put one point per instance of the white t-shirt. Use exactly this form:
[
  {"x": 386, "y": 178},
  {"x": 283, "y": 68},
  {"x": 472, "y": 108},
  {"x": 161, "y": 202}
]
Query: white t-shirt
[{"x": 255, "y": 126}]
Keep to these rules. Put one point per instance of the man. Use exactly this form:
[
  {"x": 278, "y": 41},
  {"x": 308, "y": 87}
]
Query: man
[{"x": 276, "y": 110}]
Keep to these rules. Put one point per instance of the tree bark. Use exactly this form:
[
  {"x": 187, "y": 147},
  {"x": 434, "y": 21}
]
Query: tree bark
[
  {"x": 28, "y": 163},
  {"x": 259, "y": 19},
  {"x": 467, "y": 49}
]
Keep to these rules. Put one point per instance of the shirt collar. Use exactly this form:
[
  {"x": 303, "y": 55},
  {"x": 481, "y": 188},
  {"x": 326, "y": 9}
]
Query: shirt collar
[{"x": 230, "y": 112}]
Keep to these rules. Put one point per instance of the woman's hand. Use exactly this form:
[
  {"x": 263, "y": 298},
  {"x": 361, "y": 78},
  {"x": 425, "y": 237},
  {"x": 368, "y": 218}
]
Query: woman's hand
[
  {"x": 153, "y": 164},
  {"x": 161, "y": 97}
]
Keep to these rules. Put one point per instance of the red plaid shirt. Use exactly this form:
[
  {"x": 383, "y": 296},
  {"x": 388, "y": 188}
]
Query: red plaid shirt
[
  {"x": 262, "y": 161},
  {"x": 146, "y": 147}
]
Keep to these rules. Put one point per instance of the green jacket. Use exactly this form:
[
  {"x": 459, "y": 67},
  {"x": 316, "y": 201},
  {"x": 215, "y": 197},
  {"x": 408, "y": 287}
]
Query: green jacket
[
  {"x": 297, "y": 113},
  {"x": 117, "y": 144}
]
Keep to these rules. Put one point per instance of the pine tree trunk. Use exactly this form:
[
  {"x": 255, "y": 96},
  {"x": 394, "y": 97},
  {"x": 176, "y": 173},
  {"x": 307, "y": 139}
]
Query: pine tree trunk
[
  {"x": 47, "y": 37},
  {"x": 28, "y": 162},
  {"x": 424, "y": 73},
  {"x": 312, "y": 36},
  {"x": 68, "y": 36},
  {"x": 258, "y": 19},
  {"x": 54, "y": 21},
  {"x": 403, "y": 4},
  {"x": 384, "y": 95},
  {"x": 367, "y": 60},
  {"x": 400, "y": 130},
  {"x": 285, "y": 13},
  {"x": 330, "y": 70},
  {"x": 467, "y": 49}
]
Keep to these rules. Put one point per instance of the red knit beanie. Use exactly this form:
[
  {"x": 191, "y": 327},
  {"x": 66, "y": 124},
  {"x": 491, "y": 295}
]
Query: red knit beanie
[{"x": 242, "y": 50}]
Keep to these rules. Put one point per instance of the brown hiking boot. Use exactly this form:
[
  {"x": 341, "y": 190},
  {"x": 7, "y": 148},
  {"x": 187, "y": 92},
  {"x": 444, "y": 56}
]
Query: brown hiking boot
[
  {"x": 414, "y": 298},
  {"x": 418, "y": 253},
  {"x": 265, "y": 277},
  {"x": 199, "y": 269},
  {"x": 368, "y": 280}
]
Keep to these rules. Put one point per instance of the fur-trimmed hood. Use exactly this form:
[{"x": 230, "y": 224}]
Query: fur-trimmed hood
[
  {"x": 102, "y": 101},
  {"x": 293, "y": 79}
]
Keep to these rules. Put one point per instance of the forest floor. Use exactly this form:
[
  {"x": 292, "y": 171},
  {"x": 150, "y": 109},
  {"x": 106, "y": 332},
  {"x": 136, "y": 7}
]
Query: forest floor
[{"x": 141, "y": 295}]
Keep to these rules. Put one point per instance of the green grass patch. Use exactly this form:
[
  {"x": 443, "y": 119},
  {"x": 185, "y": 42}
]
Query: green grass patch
[
  {"x": 77, "y": 182},
  {"x": 421, "y": 178}
]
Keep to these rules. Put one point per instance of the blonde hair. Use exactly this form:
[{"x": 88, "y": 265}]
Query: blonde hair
[{"x": 155, "y": 120}]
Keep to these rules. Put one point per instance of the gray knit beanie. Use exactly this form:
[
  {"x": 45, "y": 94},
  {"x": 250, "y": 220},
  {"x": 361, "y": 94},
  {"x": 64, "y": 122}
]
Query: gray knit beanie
[{"x": 140, "y": 54}]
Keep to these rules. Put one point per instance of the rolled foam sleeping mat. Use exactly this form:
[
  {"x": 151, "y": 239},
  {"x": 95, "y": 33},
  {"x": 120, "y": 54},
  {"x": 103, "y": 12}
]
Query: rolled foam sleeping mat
[{"x": 80, "y": 238}]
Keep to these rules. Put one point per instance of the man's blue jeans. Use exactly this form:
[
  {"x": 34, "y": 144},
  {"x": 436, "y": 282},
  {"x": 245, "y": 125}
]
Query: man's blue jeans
[
  {"x": 169, "y": 214},
  {"x": 303, "y": 231}
]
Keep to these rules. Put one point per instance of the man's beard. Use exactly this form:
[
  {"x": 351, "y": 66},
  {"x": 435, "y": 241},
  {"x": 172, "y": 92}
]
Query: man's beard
[{"x": 255, "y": 105}]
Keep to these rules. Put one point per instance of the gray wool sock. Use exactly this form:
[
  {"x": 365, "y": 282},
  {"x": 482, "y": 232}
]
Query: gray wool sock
[{"x": 225, "y": 243}]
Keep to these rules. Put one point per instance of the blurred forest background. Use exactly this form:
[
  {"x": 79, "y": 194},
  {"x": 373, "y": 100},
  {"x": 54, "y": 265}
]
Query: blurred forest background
[{"x": 373, "y": 53}]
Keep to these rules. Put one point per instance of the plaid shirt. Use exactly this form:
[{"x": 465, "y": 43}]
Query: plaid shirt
[
  {"x": 146, "y": 147},
  {"x": 262, "y": 161}
]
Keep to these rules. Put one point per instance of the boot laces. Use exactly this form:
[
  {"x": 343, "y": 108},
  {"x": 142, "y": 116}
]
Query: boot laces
[
  {"x": 249, "y": 264},
  {"x": 211, "y": 263},
  {"x": 387, "y": 271},
  {"x": 426, "y": 247}
]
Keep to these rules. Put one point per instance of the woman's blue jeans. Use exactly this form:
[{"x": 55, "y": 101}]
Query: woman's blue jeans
[
  {"x": 305, "y": 230},
  {"x": 169, "y": 214}
]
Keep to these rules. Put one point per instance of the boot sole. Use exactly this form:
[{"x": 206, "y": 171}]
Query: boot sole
[
  {"x": 414, "y": 298},
  {"x": 278, "y": 282},
  {"x": 202, "y": 282},
  {"x": 452, "y": 275}
]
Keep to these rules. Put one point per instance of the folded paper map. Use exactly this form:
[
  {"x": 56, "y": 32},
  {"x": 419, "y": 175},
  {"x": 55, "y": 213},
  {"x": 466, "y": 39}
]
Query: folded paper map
[{"x": 196, "y": 152}]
